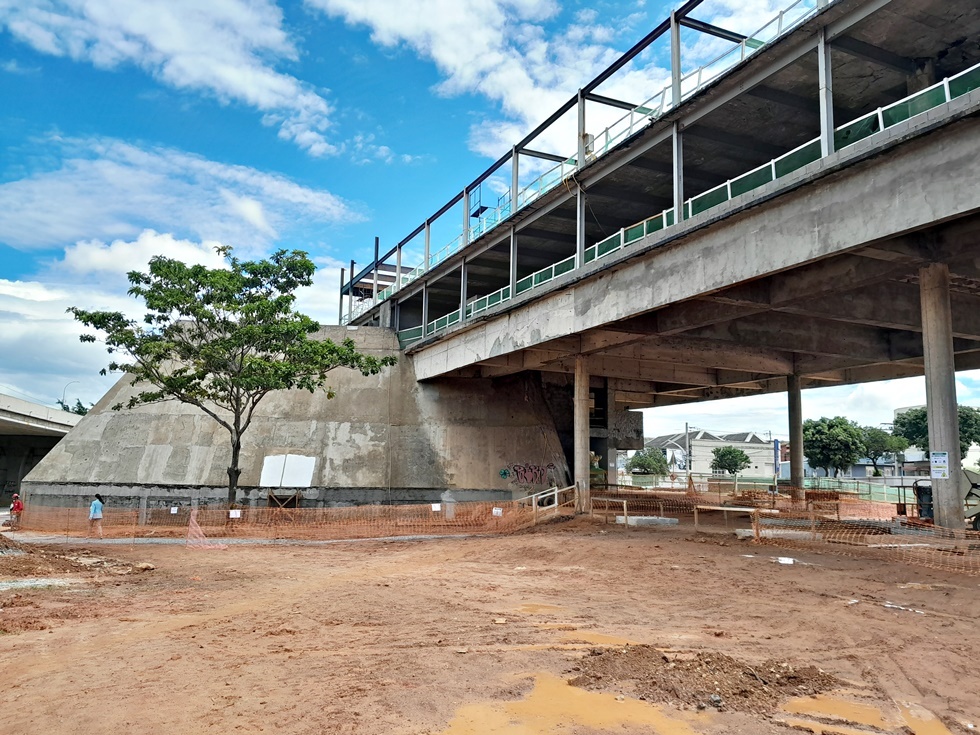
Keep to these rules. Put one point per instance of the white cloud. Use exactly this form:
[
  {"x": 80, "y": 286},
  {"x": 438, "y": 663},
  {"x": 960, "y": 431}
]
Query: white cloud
[
  {"x": 107, "y": 189},
  {"x": 227, "y": 49},
  {"x": 92, "y": 257}
]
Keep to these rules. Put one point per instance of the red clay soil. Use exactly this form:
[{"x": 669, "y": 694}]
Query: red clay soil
[{"x": 403, "y": 637}]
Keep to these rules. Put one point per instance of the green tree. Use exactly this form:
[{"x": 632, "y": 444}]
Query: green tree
[
  {"x": 833, "y": 444},
  {"x": 879, "y": 444},
  {"x": 78, "y": 408},
  {"x": 729, "y": 459},
  {"x": 649, "y": 461},
  {"x": 222, "y": 339},
  {"x": 913, "y": 425}
]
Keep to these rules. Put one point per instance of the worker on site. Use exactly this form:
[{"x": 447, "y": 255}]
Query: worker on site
[{"x": 16, "y": 508}]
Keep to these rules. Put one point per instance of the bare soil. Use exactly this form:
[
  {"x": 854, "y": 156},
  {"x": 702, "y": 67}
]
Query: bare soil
[{"x": 413, "y": 637}]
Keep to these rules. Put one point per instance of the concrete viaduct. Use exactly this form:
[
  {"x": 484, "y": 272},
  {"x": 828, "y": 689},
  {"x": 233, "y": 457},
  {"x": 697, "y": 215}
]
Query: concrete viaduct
[
  {"x": 802, "y": 211},
  {"x": 28, "y": 431}
]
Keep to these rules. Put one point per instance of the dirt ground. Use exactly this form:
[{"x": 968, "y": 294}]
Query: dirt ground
[{"x": 573, "y": 628}]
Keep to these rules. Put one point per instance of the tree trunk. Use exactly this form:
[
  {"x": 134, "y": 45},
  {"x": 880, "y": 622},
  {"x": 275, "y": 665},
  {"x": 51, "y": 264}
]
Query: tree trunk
[{"x": 234, "y": 471}]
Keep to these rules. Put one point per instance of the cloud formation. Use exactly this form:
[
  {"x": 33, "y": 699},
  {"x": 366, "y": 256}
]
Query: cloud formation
[
  {"x": 227, "y": 49},
  {"x": 106, "y": 189}
]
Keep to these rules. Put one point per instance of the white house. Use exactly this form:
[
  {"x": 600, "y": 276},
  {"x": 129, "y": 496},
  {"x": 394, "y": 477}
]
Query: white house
[{"x": 702, "y": 443}]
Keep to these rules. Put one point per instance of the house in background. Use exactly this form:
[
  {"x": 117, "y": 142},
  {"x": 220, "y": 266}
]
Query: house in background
[
  {"x": 703, "y": 443},
  {"x": 888, "y": 466}
]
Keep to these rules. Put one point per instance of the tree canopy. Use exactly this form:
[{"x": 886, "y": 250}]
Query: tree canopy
[
  {"x": 650, "y": 461},
  {"x": 879, "y": 444},
  {"x": 222, "y": 339},
  {"x": 729, "y": 459},
  {"x": 913, "y": 425},
  {"x": 833, "y": 444},
  {"x": 79, "y": 408}
]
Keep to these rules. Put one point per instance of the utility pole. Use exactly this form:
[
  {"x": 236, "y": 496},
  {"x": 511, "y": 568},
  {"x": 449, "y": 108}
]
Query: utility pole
[{"x": 687, "y": 452}]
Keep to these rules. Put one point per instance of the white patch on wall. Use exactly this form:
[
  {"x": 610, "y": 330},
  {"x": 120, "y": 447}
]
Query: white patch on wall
[{"x": 287, "y": 470}]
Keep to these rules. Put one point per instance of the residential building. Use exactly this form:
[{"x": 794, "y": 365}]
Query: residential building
[{"x": 702, "y": 444}]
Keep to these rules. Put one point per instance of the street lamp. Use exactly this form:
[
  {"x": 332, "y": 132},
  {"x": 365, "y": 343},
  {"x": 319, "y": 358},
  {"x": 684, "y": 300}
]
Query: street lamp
[{"x": 65, "y": 391}]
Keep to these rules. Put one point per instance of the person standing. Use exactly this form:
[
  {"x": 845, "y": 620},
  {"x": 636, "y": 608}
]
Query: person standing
[
  {"x": 95, "y": 515},
  {"x": 16, "y": 508}
]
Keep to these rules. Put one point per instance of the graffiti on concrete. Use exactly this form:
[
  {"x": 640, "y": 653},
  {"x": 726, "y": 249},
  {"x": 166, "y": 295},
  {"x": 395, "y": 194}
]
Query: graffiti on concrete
[{"x": 530, "y": 474}]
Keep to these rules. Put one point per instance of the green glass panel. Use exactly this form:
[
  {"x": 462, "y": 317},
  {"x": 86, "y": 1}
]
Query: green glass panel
[
  {"x": 798, "y": 159},
  {"x": 524, "y": 284},
  {"x": 853, "y": 132},
  {"x": 964, "y": 83},
  {"x": 506, "y": 292},
  {"x": 670, "y": 217},
  {"x": 655, "y": 223},
  {"x": 709, "y": 199},
  {"x": 543, "y": 276},
  {"x": 913, "y": 106},
  {"x": 754, "y": 43},
  {"x": 565, "y": 266},
  {"x": 634, "y": 233},
  {"x": 493, "y": 299},
  {"x": 608, "y": 245},
  {"x": 751, "y": 180},
  {"x": 590, "y": 254}
]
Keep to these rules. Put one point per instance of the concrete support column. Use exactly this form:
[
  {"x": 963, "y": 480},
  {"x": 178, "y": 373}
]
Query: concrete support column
[
  {"x": 580, "y": 159},
  {"x": 428, "y": 246},
  {"x": 795, "y": 396},
  {"x": 462, "y": 291},
  {"x": 350, "y": 293},
  {"x": 513, "y": 262},
  {"x": 580, "y": 227},
  {"x": 826, "y": 94},
  {"x": 678, "y": 173},
  {"x": 581, "y": 430},
  {"x": 944, "y": 429},
  {"x": 398, "y": 270},
  {"x": 675, "y": 60}
]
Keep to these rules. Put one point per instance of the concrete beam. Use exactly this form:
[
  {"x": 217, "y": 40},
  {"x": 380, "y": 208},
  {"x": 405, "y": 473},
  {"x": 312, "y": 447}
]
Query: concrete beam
[
  {"x": 880, "y": 56},
  {"x": 705, "y": 353}
]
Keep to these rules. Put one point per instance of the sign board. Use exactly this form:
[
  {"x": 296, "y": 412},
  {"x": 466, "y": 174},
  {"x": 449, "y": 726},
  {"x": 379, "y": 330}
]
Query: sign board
[
  {"x": 436, "y": 507},
  {"x": 234, "y": 514},
  {"x": 173, "y": 511},
  {"x": 939, "y": 465},
  {"x": 775, "y": 455},
  {"x": 498, "y": 512}
]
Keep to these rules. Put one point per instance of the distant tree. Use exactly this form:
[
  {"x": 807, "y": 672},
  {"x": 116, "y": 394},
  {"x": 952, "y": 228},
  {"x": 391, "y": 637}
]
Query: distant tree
[
  {"x": 222, "y": 339},
  {"x": 879, "y": 444},
  {"x": 833, "y": 444},
  {"x": 649, "y": 461},
  {"x": 78, "y": 408},
  {"x": 913, "y": 425},
  {"x": 729, "y": 459}
]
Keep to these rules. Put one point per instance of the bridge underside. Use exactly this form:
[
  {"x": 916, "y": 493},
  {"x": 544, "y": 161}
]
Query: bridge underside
[{"x": 852, "y": 318}]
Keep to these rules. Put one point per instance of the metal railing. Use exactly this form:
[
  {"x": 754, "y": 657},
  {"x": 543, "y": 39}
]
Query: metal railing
[{"x": 803, "y": 155}]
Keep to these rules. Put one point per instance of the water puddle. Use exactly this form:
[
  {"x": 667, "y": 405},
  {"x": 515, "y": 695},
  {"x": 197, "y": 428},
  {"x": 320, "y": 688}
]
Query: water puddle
[
  {"x": 553, "y": 707},
  {"x": 832, "y": 708},
  {"x": 921, "y": 721},
  {"x": 35, "y": 583},
  {"x": 910, "y": 718},
  {"x": 599, "y": 639},
  {"x": 533, "y": 608}
]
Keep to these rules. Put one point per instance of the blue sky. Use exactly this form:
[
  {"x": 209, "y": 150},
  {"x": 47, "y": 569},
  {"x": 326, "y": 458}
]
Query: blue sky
[{"x": 169, "y": 126}]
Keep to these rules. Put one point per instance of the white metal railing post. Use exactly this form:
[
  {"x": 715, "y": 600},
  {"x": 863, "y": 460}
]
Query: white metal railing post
[
  {"x": 466, "y": 219},
  {"x": 580, "y": 159},
  {"x": 428, "y": 246},
  {"x": 881, "y": 120}
]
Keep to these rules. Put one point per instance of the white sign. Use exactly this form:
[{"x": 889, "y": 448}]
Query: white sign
[
  {"x": 436, "y": 507},
  {"x": 234, "y": 514},
  {"x": 173, "y": 511},
  {"x": 939, "y": 465},
  {"x": 498, "y": 512}
]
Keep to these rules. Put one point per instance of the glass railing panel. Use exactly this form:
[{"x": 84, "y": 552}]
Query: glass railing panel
[
  {"x": 634, "y": 233},
  {"x": 505, "y": 291},
  {"x": 543, "y": 276},
  {"x": 797, "y": 159},
  {"x": 915, "y": 105},
  {"x": 752, "y": 180},
  {"x": 494, "y": 299},
  {"x": 524, "y": 284},
  {"x": 611, "y": 243},
  {"x": 964, "y": 82},
  {"x": 709, "y": 199},
  {"x": 590, "y": 254},
  {"x": 856, "y": 130},
  {"x": 452, "y": 318},
  {"x": 565, "y": 266},
  {"x": 669, "y": 215},
  {"x": 654, "y": 224}
]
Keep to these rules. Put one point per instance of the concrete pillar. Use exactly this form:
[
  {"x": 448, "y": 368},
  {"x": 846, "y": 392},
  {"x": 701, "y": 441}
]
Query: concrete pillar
[
  {"x": 795, "y": 396},
  {"x": 513, "y": 262},
  {"x": 678, "y": 174},
  {"x": 825, "y": 94},
  {"x": 581, "y": 431},
  {"x": 944, "y": 429},
  {"x": 675, "y": 60},
  {"x": 579, "y": 227}
]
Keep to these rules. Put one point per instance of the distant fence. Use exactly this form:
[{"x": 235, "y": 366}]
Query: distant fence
[{"x": 353, "y": 522}]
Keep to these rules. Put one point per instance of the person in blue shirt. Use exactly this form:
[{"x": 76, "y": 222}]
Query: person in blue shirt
[{"x": 95, "y": 515}]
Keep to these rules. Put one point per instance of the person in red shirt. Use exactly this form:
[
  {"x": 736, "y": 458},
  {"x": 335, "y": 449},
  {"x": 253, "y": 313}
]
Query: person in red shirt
[{"x": 16, "y": 508}]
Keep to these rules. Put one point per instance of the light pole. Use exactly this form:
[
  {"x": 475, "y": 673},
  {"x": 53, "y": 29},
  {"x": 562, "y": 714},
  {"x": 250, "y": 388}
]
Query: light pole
[{"x": 65, "y": 391}]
